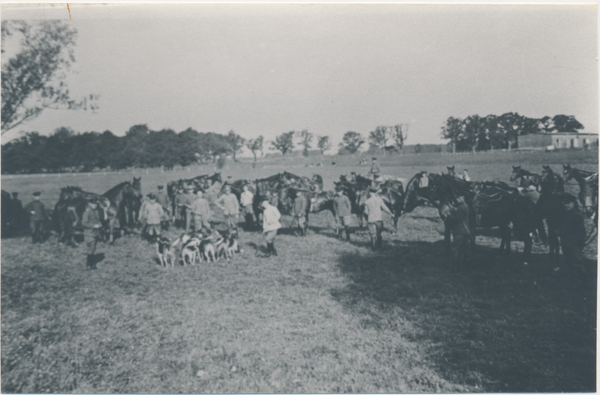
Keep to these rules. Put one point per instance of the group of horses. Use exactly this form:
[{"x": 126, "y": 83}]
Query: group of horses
[
  {"x": 533, "y": 207},
  {"x": 119, "y": 205}
]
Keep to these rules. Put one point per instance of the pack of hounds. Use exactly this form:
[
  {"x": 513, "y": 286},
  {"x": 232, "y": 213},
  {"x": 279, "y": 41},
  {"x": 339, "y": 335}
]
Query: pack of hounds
[{"x": 198, "y": 247}]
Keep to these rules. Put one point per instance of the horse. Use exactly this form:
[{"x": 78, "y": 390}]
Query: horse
[
  {"x": 6, "y": 212},
  {"x": 134, "y": 204},
  {"x": 69, "y": 209},
  {"x": 451, "y": 171},
  {"x": 120, "y": 196},
  {"x": 202, "y": 182},
  {"x": 551, "y": 182},
  {"x": 452, "y": 201},
  {"x": 524, "y": 179},
  {"x": 391, "y": 192},
  {"x": 497, "y": 204},
  {"x": 588, "y": 187}
]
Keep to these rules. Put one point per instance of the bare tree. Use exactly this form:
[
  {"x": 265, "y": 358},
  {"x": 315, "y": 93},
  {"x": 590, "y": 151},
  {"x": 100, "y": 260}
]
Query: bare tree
[
  {"x": 400, "y": 134},
  {"x": 379, "y": 137},
  {"x": 236, "y": 143},
  {"x": 305, "y": 140},
  {"x": 255, "y": 145}
]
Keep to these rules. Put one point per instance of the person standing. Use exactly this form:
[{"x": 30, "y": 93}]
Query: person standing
[
  {"x": 153, "y": 214},
  {"x": 343, "y": 212},
  {"x": 185, "y": 201},
  {"x": 17, "y": 213},
  {"x": 572, "y": 231},
  {"x": 37, "y": 217},
  {"x": 200, "y": 209},
  {"x": 229, "y": 204},
  {"x": 246, "y": 201},
  {"x": 375, "y": 170},
  {"x": 271, "y": 223},
  {"x": 373, "y": 208},
  {"x": 163, "y": 199},
  {"x": 91, "y": 231},
  {"x": 299, "y": 210},
  {"x": 466, "y": 176}
]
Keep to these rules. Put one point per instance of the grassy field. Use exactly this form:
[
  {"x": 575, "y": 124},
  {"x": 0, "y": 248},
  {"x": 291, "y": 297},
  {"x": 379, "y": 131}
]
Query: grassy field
[{"x": 323, "y": 316}]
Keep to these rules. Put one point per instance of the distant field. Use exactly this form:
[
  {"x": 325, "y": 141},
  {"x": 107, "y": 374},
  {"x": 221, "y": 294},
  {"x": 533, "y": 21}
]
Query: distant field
[{"x": 324, "y": 316}]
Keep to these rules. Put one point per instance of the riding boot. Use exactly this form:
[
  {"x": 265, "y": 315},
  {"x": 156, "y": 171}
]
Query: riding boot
[
  {"x": 347, "y": 234},
  {"x": 340, "y": 234},
  {"x": 305, "y": 230},
  {"x": 268, "y": 252},
  {"x": 90, "y": 261},
  {"x": 374, "y": 243}
]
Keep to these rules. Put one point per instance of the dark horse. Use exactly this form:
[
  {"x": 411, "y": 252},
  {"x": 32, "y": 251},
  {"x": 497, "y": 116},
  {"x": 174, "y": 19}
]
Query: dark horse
[
  {"x": 390, "y": 191},
  {"x": 69, "y": 209},
  {"x": 498, "y": 205},
  {"x": 420, "y": 191},
  {"x": 72, "y": 202},
  {"x": 202, "y": 182},
  {"x": 550, "y": 182},
  {"x": 524, "y": 179},
  {"x": 588, "y": 190}
]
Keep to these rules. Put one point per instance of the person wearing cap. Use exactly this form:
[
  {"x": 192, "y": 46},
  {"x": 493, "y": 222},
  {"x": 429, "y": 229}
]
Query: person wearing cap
[
  {"x": 229, "y": 204},
  {"x": 37, "y": 217},
  {"x": 163, "y": 199},
  {"x": 373, "y": 208},
  {"x": 184, "y": 202},
  {"x": 91, "y": 223},
  {"x": 153, "y": 214},
  {"x": 271, "y": 223},
  {"x": 343, "y": 212},
  {"x": 572, "y": 231},
  {"x": 200, "y": 209},
  {"x": 246, "y": 201},
  {"x": 299, "y": 210},
  {"x": 375, "y": 170}
]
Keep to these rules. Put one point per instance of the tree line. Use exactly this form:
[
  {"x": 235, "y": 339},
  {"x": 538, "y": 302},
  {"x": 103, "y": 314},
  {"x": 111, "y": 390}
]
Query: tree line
[{"x": 475, "y": 133}]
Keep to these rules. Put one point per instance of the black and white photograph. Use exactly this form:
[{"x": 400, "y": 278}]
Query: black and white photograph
[{"x": 299, "y": 198}]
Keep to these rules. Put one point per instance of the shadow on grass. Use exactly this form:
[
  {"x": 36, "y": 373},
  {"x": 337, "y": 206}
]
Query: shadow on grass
[{"x": 497, "y": 324}]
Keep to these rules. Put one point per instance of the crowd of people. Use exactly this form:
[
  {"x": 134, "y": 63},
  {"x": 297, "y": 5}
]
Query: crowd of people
[{"x": 193, "y": 215}]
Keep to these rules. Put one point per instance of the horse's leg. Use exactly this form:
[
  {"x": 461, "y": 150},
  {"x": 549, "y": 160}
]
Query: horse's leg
[{"x": 527, "y": 249}]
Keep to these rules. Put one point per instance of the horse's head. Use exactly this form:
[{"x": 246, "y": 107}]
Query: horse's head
[
  {"x": 451, "y": 170},
  {"x": 320, "y": 201},
  {"x": 216, "y": 178},
  {"x": 137, "y": 184},
  {"x": 516, "y": 173},
  {"x": 567, "y": 172},
  {"x": 414, "y": 193}
]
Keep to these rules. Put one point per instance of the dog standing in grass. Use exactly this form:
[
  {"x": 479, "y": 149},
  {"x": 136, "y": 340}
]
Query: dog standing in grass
[{"x": 164, "y": 250}]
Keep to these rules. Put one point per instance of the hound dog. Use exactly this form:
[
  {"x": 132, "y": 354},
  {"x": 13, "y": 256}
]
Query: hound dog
[
  {"x": 190, "y": 248},
  {"x": 164, "y": 249},
  {"x": 231, "y": 244}
]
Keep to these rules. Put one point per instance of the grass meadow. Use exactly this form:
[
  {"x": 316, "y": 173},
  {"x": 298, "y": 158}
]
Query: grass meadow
[{"x": 323, "y": 316}]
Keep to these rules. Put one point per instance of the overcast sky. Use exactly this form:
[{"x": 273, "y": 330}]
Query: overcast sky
[{"x": 269, "y": 69}]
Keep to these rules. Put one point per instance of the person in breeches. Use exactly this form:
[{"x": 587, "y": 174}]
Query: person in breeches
[
  {"x": 373, "y": 209},
  {"x": 153, "y": 214},
  {"x": 229, "y": 204},
  {"x": 184, "y": 202},
  {"x": 300, "y": 206},
  {"x": 375, "y": 170},
  {"x": 163, "y": 199},
  {"x": 91, "y": 231},
  {"x": 343, "y": 211},
  {"x": 37, "y": 217},
  {"x": 271, "y": 223},
  {"x": 200, "y": 209},
  {"x": 246, "y": 201}
]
